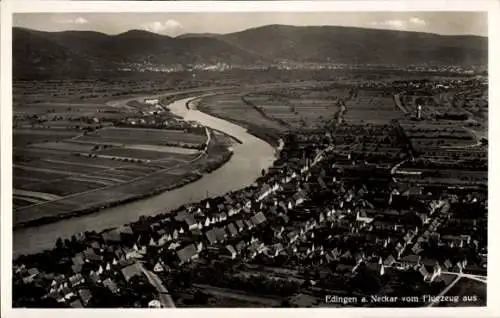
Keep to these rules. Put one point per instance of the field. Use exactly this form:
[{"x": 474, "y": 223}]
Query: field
[
  {"x": 139, "y": 136},
  {"x": 441, "y": 134},
  {"x": 71, "y": 155},
  {"x": 299, "y": 107},
  {"x": 372, "y": 107},
  {"x": 232, "y": 106},
  {"x": 24, "y": 137}
]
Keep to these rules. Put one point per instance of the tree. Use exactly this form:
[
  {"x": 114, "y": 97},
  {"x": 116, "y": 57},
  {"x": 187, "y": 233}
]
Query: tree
[{"x": 59, "y": 243}]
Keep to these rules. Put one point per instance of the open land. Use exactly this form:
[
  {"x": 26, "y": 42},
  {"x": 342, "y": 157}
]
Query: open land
[{"x": 72, "y": 158}]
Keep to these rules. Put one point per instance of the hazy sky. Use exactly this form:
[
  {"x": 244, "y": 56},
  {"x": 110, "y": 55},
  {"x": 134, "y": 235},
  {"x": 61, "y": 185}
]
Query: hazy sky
[{"x": 449, "y": 23}]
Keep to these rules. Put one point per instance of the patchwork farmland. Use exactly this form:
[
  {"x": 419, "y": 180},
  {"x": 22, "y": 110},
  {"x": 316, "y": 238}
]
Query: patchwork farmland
[
  {"x": 299, "y": 108},
  {"x": 373, "y": 107},
  {"x": 71, "y": 158}
]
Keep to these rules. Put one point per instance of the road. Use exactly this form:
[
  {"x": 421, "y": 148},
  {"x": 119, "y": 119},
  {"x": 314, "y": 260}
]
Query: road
[
  {"x": 398, "y": 103},
  {"x": 393, "y": 169},
  {"x": 165, "y": 299},
  {"x": 478, "y": 278},
  {"x": 444, "y": 291}
]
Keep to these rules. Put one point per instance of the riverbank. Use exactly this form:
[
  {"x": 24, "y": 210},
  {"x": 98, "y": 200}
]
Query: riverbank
[{"x": 270, "y": 136}]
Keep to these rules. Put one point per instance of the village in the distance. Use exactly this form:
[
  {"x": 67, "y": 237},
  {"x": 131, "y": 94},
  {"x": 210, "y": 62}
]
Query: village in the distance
[{"x": 219, "y": 174}]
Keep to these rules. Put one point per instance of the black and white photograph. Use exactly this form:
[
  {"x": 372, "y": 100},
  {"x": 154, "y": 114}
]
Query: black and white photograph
[{"x": 281, "y": 159}]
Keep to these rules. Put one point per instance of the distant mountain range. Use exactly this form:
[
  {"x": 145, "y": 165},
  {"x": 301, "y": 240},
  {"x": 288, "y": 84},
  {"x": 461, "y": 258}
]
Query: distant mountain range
[{"x": 84, "y": 51}]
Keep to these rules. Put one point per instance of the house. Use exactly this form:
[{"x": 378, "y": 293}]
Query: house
[
  {"x": 359, "y": 257},
  {"x": 85, "y": 296},
  {"x": 187, "y": 253},
  {"x": 240, "y": 225},
  {"x": 229, "y": 252},
  {"x": 249, "y": 224},
  {"x": 32, "y": 273},
  {"x": 221, "y": 206},
  {"x": 76, "y": 280},
  {"x": 375, "y": 267},
  {"x": 456, "y": 240},
  {"x": 292, "y": 236},
  {"x": 459, "y": 266},
  {"x": 410, "y": 260},
  {"x": 362, "y": 217},
  {"x": 126, "y": 230},
  {"x": 207, "y": 222},
  {"x": 228, "y": 199},
  {"x": 111, "y": 285},
  {"x": 151, "y": 101},
  {"x": 298, "y": 198},
  {"x": 231, "y": 229},
  {"x": 132, "y": 253},
  {"x": 211, "y": 236},
  {"x": 240, "y": 246},
  {"x": 322, "y": 183},
  {"x": 120, "y": 254},
  {"x": 199, "y": 246},
  {"x": 399, "y": 249},
  {"x": 220, "y": 234},
  {"x": 436, "y": 272},
  {"x": 191, "y": 223},
  {"x": 222, "y": 216},
  {"x": 95, "y": 277},
  {"x": 425, "y": 274},
  {"x": 389, "y": 261},
  {"x": 264, "y": 192},
  {"x": 78, "y": 259},
  {"x": 321, "y": 217},
  {"x": 347, "y": 255},
  {"x": 335, "y": 253},
  {"x": 90, "y": 255},
  {"x": 152, "y": 242},
  {"x": 274, "y": 250},
  {"x": 58, "y": 280},
  {"x": 77, "y": 268},
  {"x": 131, "y": 271},
  {"x": 258, "y": 218},
  {"x": 95, "y": 245},
  {"x": 255, "y": 248},
  {"x": 278, "y": 231},
  {"x": 154, "y": 304},
  {"x": 158, "y": 268},
  {"x": 173, "y": 246},
  {"x": 164, "y": 238},
  {"x": 181, "y": 215},
  {"x": 416, "y": 249}
]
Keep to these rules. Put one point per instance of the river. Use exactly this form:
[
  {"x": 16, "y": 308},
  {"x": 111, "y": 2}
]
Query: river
[{"x": 244, "y": 167}]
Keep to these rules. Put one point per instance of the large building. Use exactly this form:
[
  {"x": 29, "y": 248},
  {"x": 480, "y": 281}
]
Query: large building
[{"x": 151, "y": 101}]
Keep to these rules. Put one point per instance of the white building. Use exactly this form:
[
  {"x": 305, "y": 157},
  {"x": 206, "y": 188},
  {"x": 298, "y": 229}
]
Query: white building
[{"x": 151, "y": 101}]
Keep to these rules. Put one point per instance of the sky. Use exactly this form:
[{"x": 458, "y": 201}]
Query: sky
[{"x": 173, "y": 24}]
